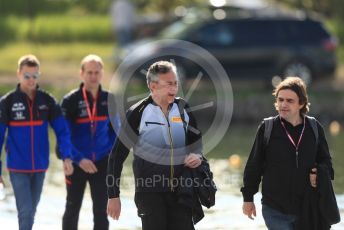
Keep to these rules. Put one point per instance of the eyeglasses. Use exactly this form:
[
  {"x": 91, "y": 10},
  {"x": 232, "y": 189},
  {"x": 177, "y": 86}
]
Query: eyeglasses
[
  {"x": 27, "y": 76},
  {"x": 168, "y": 84}
]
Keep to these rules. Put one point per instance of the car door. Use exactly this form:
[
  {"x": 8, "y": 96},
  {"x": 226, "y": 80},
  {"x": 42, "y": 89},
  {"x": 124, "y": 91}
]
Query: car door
[{"x": 257, "y": 47}]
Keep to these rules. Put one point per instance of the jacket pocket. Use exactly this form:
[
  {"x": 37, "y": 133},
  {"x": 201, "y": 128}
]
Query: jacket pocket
[{"x": 143, "y": 203}]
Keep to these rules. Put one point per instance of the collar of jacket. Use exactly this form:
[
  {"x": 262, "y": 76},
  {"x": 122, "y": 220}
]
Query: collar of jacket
[
  {"x": 100, "y": 89},
  {"x": 18, "y": 88},
  {"x": 288, "y": 123},
  {"x": 150, "y": 100}
]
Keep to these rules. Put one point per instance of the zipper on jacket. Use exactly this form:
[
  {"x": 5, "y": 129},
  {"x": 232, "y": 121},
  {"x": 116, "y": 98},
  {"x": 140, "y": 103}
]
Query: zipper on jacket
[
  {"x": 297, "y": 159},
  {"x": 30, "y": 104},
  {"x": 172, "y": 154}
]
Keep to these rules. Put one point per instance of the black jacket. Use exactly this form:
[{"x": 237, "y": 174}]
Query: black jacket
[
  {"x": 284, "y": 184},
  {"x": 200, "y": 192},
  {"x": 327, "y": 199},
  {"x": 319, "y": 210}
]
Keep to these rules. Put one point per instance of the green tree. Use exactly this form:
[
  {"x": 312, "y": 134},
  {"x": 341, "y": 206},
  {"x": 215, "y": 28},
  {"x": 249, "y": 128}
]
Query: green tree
[{"x": 329, "y": 8}]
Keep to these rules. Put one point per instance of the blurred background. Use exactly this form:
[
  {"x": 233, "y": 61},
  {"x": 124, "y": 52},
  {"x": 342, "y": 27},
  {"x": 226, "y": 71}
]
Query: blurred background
[{"x": 257, "y": 42}]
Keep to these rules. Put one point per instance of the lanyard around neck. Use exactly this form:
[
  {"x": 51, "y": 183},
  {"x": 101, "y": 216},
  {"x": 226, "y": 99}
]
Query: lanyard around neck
[
  {"x": 289, "y": 136},
  {"x": 92, "y": 115}
]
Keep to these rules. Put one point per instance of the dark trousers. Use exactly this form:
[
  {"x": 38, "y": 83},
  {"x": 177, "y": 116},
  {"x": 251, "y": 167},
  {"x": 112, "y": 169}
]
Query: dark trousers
[
  {"x": 76, "y": 184},
  {"x": 160, "y": 211}
]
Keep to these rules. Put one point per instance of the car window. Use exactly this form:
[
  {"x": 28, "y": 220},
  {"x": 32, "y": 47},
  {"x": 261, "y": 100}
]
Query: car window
[
  {"x": 305, "y": 31},
  {"x": 215, "y": 34},
  {"x": 246, "y": 33},
  {"x": 257, "y": 33},
  {"x": 175, "y": 30}
]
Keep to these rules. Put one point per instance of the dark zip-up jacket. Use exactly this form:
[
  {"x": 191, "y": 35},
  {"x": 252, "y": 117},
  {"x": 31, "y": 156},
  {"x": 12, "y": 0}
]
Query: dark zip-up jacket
[
  {"x": 159, "y": 144},
  {"x": 26, "y": 122},
  {"x": 85, "y": 144},
  {"x": 283, "y": 183}
]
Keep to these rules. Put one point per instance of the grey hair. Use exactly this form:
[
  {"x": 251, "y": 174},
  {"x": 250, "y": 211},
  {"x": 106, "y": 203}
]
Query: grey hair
[{"x": 157, "y": 68}]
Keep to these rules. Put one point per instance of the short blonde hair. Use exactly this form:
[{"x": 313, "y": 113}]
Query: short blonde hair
[
  {"x": 28, "y": 60},
  {"x": 90, "y": 58}
]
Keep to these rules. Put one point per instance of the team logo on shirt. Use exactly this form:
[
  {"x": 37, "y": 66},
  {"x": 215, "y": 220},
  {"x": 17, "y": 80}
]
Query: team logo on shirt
[
  {"x": 83, "y": 113},
  {"x": 19, "y": 116},
  {"x": 43, "y": 107},
  {"x": 176, "y": 119},
  {"x": 18, "y": 107},
  {"x": 81, "y": 104}
]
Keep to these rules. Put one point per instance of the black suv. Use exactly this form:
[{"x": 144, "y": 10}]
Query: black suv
[{"x": 256, "y": 47}]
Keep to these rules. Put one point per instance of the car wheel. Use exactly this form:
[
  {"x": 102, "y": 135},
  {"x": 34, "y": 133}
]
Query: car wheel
[{"x": 299, "y": 69}]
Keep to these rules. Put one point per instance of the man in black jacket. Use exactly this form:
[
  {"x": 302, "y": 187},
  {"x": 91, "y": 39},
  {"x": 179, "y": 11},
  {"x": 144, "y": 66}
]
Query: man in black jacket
[
  {"x": 154, "y": 127},
  {"x": 286, "y": 164}
]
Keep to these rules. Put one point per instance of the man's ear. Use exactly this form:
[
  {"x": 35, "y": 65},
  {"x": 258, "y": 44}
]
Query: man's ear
[
  {"x": 18, "y": 73},
  {"x": 151, "y": 86},
  {"x": 302, "y": 105},
  {"x": 80, "y": 74}
]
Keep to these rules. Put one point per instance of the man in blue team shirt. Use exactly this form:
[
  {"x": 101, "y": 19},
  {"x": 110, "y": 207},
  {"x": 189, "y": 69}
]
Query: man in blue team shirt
[
  {"x": 25, "y": 113},
  {"x": 92, "y": 135}
]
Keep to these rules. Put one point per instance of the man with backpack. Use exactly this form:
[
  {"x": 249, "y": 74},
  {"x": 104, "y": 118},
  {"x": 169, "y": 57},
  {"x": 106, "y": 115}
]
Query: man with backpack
[{"x": 285, "y": 155}]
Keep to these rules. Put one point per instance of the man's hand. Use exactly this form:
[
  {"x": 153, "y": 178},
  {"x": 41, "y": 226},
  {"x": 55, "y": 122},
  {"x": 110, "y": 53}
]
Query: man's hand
[
  {"x": 249, "y": 209},
  {"x": 313, "y": 177},
  {"x": 193, "y": 160},
  {"x": 68, "y": 168},
  {"x": 88, "y": 166},
  {"x": 114, "y": 208}
]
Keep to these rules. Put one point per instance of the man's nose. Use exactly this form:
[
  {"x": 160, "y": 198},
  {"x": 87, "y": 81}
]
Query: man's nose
[
  {"x": 174, "y": 89},
  {"x": 284, "y": 103}
]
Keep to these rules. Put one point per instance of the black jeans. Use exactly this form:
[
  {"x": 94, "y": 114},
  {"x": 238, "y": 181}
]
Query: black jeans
[
  {"x": 76, "y": 184},
  {"x": 160, "y": 211}
]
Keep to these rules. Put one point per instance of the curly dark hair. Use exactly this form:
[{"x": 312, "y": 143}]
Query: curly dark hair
[{"x": 297, "y": 85}]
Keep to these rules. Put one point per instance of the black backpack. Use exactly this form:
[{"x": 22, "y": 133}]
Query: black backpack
[{"x": 269, "y": 122}]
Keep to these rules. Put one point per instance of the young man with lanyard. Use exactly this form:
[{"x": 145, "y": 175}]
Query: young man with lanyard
[
  {"x": 163, "y": 148},
  {"x": 92, "y": 135},
  {"x": 25, "y": 113},
  {"x": 287, "y": 163}
]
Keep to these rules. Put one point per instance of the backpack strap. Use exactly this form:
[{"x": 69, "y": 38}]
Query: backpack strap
[
  {"x": 181, "y": 105},
  {"x": 314, "y": 126},
  {"x": 268, "y": 124}
]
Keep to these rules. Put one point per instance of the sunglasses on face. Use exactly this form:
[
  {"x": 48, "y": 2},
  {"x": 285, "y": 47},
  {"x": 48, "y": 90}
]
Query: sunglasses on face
[{"x": 27, "y": 76}]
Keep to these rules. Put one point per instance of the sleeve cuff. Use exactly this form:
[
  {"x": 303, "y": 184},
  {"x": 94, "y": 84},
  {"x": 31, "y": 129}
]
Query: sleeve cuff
[
  {"x": 77, "y": 159},
  {"x": 112, "y": 193},
  {"x": 247, "y": 197}
]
